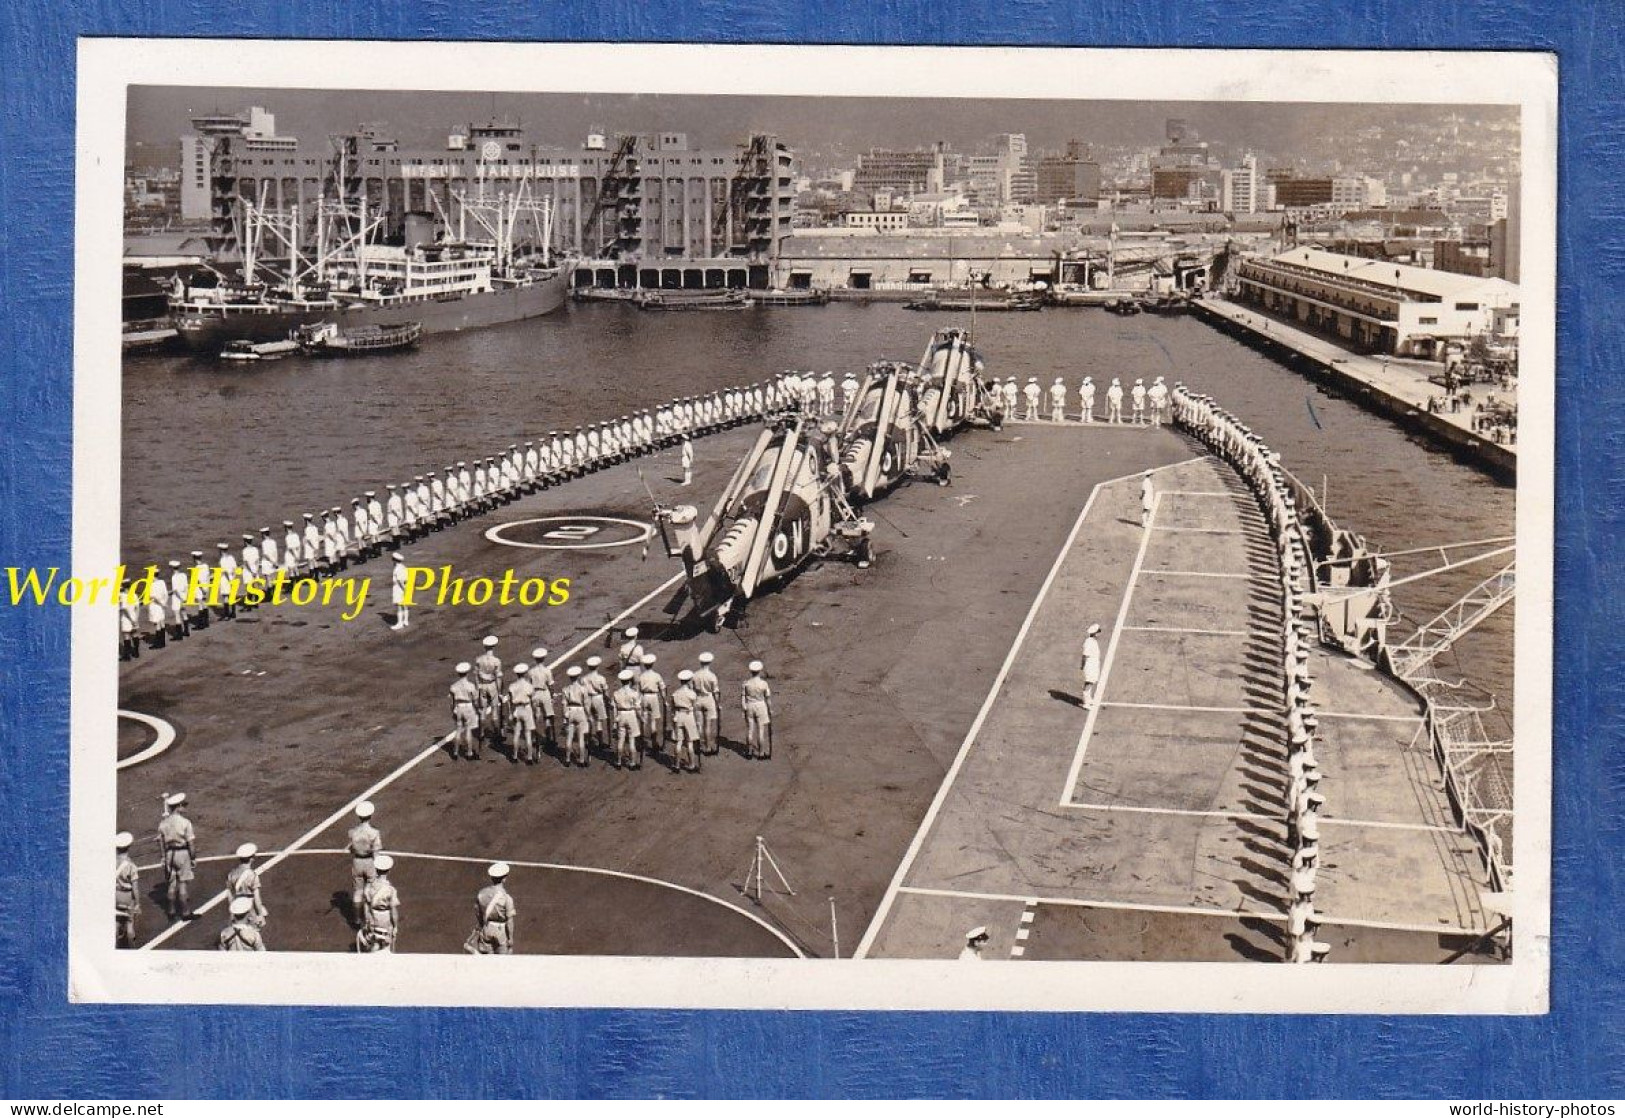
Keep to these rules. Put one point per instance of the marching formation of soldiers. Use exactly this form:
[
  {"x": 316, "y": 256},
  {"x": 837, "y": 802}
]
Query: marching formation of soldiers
[
  {"x": 377, "y": 522},
  {"x": 1260, "y": 467},
  {"x": 638, "y": 715},
  {"x": 1148, "y": 405}
]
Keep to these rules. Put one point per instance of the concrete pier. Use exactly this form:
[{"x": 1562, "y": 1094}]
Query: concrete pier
[{"x": 1396, "y": 387}]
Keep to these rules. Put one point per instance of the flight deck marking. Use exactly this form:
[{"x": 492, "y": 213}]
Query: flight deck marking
[
  {"x": 1176, "y": 706},
  {"x": 1019, "y": 948},
  {"x": 407, "y": 766},
  {"x": 1259, "y": 817},
  {"x": 1196, "y": 574},
  {"x": 574, "y": 533},
  {"x": 1111, "y": 655},
  {"x": 1371, "y": 717},
  {"x": 1193, "y": 632},
  {"x": 941, "y": 797},
  {"x": 165, "y": 738},
  {"x": 1208, "y": 531},
  {"x": 480, "y": 861}
]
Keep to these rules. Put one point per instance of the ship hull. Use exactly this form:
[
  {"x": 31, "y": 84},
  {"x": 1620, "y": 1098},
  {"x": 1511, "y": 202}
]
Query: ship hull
[{"x": 211, "y": 332}]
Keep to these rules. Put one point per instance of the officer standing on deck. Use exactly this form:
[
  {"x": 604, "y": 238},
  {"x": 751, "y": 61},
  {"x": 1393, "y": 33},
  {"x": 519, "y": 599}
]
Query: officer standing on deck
[
  {"x": 365, "y": 842},
  {"x": 126, "y": 892},
  {"x": 1091, "y": 666},
  {"x": 1114, "y": 402},
  {"x": 1137, "y": 398},
  {"x": 597, "y": 701},
  {"x": 541, "y": 682},
  {"x": 465, "y": 714},
  {"x": 244, "y": 881},
  {"x": 380, "y": 910},
  {"x": 631, "y": 652},
  {"x": 756, "y": 698},
  {"x": 397, "y": 591},
  {"x": 1031, "y": 395},
  {"x": 488, "y": 679},
  {"x": 685, "y": 730},
  {"x": 521, "y": 718},
  {"x": 226, "y": 564},
  {"x": 652, "y": 688},
  {"x": 627, "y": 728},
  {"x": 576, "y": 722},
  {"x": 708, "y": 707},
  {"x": 849, "y": 391},
  {"x": 688, "y": 461},
  {"x": 1086, "y": 393},
  {"x": 1057, "y": 401},
  {"x": 494, "y": 915},
  {"x": 241, "y": 934},
  {"x": 176, "y": 839}
]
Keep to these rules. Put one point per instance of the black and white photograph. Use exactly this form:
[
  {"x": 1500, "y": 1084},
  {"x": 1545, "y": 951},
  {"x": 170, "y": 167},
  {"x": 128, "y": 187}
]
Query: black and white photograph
[{"x": 813, "y": 527}]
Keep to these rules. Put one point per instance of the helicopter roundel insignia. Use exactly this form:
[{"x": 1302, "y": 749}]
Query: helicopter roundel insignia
[{"x": 886, "y": 461}]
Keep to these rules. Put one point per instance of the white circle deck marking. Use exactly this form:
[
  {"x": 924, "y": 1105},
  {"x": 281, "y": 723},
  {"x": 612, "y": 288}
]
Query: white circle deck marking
[
  {"x": 573, "y": 533},
  {"x": 165, "y": 738}
]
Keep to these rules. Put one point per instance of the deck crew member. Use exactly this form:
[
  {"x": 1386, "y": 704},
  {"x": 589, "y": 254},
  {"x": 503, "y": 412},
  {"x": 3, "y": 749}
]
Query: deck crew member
[
  {"x": 488, "y": 679},
  {"x": 521, "y": 718},
  {"x": 494, "y": 915},
  {"x": 756, "y": 699},
  {"x": 541, "y": 698},
  {"x": 355, "y": 534},
  {"x": 270, "y": 561},
  {"x": 1091, "y": 665},
  {"x": 1114, "y": 402},
  {"x": 707, "y": 707},
  {"x": 1086, "y": 396},
  {"x": 292, "y": 558},
  {"x": 849, "y": 391},
  {"x": 397, "y": 591},
  {"x": 412, "y": 498},
  {"x": 1147, "y": 499},
  {"x": 1137, "y": 399},
  {"x": 597, "y": 686},
  {"x": 533, "y": 466},
  {"x": 688, "y": 461},
  {"x": 129, "y": 627},
  {"x": 1011, "y": 392},
  {"x": 1158, "y": 395},
  {"x": 576, "y": 723},
  {"x": 1031, "y": 395},
  {"x": 198, "y": 579},
  {"x": 685, "y": 730},
  {"x": 380, "y": 910},
  {"x": 332, "y": 542},
  {"x": 394, "y": 513},
  {"x": 465, "y": 490},
  {"x": 126, "y": 892},
  {"x": 364, "y": 844},
  {"x": 626, "y": 702},
  {"x": 652, "y": 688},
  {"x": 465, "y": 715},
  {"x": 244, "y": 881},
  {"x": 630, "y": 652},
  {"x": 975, "y": 940},
  {"x": 241, "y": 934},
  {"x": 180, "y": 597},
  {"x": 1057, "y": 401},
  {"x": 158, "y": 613},
  {"x": 226, "y": 564},
  {"x": 313, "y": 545},
  {"x": 176, "y": 839},
  {"x": 826, "y": 393}
]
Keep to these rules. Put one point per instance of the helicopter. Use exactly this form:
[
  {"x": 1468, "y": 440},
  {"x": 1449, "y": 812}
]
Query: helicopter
[
  {"x": 951, "y": 392},
  {"x": 785, "y": 505},
  {"x": 883, "y": 436}
]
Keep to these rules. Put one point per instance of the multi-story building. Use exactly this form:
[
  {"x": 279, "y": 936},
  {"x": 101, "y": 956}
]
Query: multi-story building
[
  {"x": 1072, "y": 179},
  {"x": 1239, "y": 188},
  {"x": 626, "y": 198},
  {"x": 882, "y": 221},
  {"x": 1375, "y": 305},
  {"x": 900, "y": 172}
]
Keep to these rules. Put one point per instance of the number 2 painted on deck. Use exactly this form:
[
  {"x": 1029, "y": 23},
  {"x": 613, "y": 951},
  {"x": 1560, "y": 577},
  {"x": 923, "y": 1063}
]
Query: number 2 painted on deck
[{"x": 574, "y": 533}]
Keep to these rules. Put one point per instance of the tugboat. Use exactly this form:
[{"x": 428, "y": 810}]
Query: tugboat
[
  {"x": 329, "y": 340},
  {"x": 247, "y": 349},
  {"x": 807, "y": 297},
  {"x": 996, "y": 301},
  {"x": 691, "y": 300}
]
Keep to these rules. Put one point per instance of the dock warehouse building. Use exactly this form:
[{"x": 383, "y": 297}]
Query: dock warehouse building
[{"x": 1378, "y": 306}]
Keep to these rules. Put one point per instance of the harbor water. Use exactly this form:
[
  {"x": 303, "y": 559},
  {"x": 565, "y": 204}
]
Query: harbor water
[{"x": 212, "y": 450}]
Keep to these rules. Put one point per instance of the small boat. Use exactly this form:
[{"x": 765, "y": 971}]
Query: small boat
[
  {"x": 148, "y": 334},
  {"x": 604, "y": 294},
  {"x": 798, "y": 297},
  {"x": 691, "y": 300},
  {"x": 996, "y": 301},
  {"x": 1168, "y": 304},
  {"x": 246, "y": 349},
  {"x": 326, "y": 338},
  {"x": 1123, "y": 306}
]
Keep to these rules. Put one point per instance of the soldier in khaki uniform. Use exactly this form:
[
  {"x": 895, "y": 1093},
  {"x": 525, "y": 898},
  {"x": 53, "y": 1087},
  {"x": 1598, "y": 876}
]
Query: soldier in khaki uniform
[
  {"x": 756, "y": 698},
  {"x": 488, "y": 681},
  {"x": 685, "y": 730},
  {"x": 465, "y": 715},
  {"x": 521, "y": 718},
  {"x": 380, "y": 911},
  {"x": 626, "y": 701},
  {"x": 541, "y": 698},
  {"x": 364, "y": 845},
  {"x": 241, "y": 934},
  {"x": 175, "y": 839},
  {"x": 708, "y": 705},
  {"x": 652, "y": 689},
  {"x": 597, "y": 701},
  {"x": 126, "y": 892},
  {"x": 576, "y": 723},
  {"x": 494, "y": 916},
  {"x": 244, "y": 881}
]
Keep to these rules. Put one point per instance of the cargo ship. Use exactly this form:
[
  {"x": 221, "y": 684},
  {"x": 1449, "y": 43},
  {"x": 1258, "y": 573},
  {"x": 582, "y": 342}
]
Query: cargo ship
[{"x": 443, "y": 278}]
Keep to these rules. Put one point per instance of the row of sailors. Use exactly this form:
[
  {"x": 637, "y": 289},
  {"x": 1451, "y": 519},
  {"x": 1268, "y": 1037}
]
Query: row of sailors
[
  {"x": 1261, "y": 468},
  {"x": 376, "y": 522},
  {"x": 1148, "y": 404},
  {"x": 817, "y": 394}
]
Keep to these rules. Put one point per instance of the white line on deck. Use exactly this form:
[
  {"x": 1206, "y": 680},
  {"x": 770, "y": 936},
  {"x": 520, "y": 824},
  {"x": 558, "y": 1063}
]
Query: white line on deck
[
  {"x": 165, "y": 737},
  {"x": 981, "y": 715},
  {"x": 1196, "y": 574},
  {"x": 1207, "y": 531},
  {"x": 1193, "y": 632},
  {"x": 1180, "y": 706},
  {"x": 1111, "y": 655},
  {"x": 405, "y": 767},
  {"x": 1369, "y": 717},
  {"x": 1262, "y": 818}
]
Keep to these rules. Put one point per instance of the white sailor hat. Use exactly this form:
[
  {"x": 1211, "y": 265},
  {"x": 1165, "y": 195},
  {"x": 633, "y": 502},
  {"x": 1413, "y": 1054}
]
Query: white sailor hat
[
  {"x": 489, "y": 642},
  {"x": 364, "y": 809},
  {"x": 287, "y": 524},
  {"x": 1159, "y": 380},
  {"x": 529, "y": 442},
  {"x": 398, "y": 557},
  {"x": 755, "y": 665},
  {"x": 1087, "y": 379},
  {"x": 1094, "y": 628},
  {"x": 372, "y": 493},
  {"x": 383, "y": 863},
  {"x": 979, "y": 932},
  {"x": 574, "y": 671},
  {"x": 539, "y": 654},
  {"x": 464, "y": 668},
  {"x": 1058, "y": 380},
  {"x": 462, "y": 463},
  {"x": 242, "y": 906},
  {"x": 247, "y": 850},
  {"x": 521, "y": 668},
  {"x": 175, "y": 799},
  {"x": 309, "y": 517},
  {"x": 123, "y": 840},
  {"x": 177, "y": 562},
  {"x": 706, "y": 657},
  {"x": 632, "y": 631},
  {"x": 221, "y": 546},
  {"x": 1032, "y": 380},
  {"x": 1139, "y": 380},
  {"x": 496, "y": 871},
  {"x": 1116, "y": 381},
  {"x": 594, "y": 661},
  {"x": 197, "y": 554},
  {"x": 624, "y": 675},
  {"x": 353, "y": 501},
  {"x": 648, "y": 658},
  {"x": 417, "y": 477},
  {"x": 390, "y": 486}
]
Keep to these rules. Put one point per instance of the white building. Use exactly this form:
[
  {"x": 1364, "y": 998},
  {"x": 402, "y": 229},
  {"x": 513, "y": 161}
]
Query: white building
[
  {"x": 1238, "y": 187},
  {"x": 883, "y": 220}
]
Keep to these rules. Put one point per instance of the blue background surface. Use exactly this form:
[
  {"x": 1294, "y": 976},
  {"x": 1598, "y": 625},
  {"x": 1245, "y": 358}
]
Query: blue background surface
[{"x": 49, "y": 1048}]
